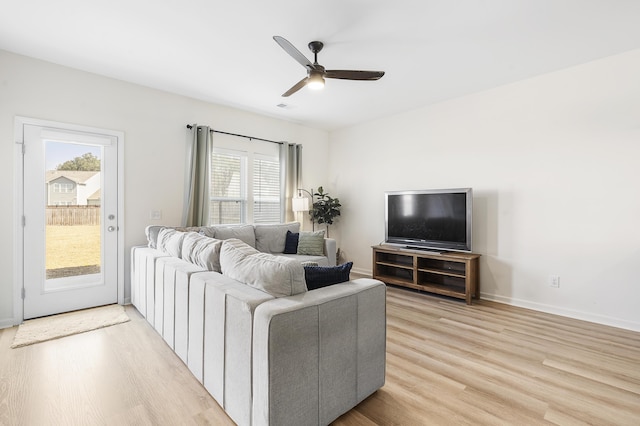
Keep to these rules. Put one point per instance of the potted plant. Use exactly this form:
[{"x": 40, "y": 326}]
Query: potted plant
[{"x": 325, "y": 209}]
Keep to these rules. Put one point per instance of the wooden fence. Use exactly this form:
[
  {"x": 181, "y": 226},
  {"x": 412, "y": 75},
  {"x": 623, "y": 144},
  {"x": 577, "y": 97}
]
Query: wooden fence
[{"x": 73, "y": 215}]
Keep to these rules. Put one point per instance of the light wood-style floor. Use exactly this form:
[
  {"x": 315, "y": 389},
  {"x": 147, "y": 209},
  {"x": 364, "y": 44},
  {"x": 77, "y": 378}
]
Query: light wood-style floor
[{"x": 447, "y": 364}]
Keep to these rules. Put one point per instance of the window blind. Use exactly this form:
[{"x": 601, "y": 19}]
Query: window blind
[
  {"x": 266, "y": 190},
  {"x": 228, "y": 195}
]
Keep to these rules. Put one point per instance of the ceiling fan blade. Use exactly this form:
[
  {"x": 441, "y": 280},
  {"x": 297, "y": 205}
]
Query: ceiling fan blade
[
  {"x": 354, "y": 75},
  {"x": 293, "y": 52},
  {"x": 299, "y": 85}
]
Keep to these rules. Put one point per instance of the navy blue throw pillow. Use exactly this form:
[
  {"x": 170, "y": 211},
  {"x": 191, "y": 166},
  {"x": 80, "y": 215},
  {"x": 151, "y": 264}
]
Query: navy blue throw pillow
[
  {"x": 323, "y": 276},
  {"x": 291, "y": 243}
]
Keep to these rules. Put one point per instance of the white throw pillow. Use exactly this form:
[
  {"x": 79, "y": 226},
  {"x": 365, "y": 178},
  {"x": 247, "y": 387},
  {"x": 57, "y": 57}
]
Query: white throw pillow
[
  {"x": 277, "y": 275},
  {"x": 272, "y": 238},
  {"x": 202, "y": 251},
  {"x": 170, "y": 242}
]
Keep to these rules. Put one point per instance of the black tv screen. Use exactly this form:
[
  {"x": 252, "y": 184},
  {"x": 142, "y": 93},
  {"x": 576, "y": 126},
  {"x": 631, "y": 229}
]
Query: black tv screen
[{"x": 438, "y": 219}]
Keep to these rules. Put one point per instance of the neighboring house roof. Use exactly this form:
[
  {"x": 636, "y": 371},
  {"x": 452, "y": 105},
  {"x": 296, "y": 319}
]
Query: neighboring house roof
[
  {"x": 95, "y": 196},
  {"x": 79, "y": 177}
]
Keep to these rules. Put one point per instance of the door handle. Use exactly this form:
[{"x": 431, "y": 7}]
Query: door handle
[{"x": 111, "y": 228}]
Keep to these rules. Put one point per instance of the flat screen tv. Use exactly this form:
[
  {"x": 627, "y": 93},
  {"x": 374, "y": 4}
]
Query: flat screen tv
[{"x": 435, "y": 219}]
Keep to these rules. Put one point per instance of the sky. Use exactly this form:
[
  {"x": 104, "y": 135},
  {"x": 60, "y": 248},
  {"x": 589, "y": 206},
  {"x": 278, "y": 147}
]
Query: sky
[{"x": 58, "y": 152}]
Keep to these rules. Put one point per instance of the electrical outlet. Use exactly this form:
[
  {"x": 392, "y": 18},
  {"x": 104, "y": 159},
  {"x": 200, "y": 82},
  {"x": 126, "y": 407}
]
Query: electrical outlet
[
  {"x": 155, "y": 214},
  {"x": 554, "y": 281}
]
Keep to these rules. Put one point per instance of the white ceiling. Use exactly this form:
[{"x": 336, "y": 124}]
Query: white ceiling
[{"x": 222, "y": 51}]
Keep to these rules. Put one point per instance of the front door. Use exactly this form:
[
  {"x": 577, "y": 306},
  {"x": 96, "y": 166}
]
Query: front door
[{"x": 70, "y": 223}]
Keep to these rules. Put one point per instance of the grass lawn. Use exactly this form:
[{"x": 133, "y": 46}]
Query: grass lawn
[{"x": 73, "y": 246}]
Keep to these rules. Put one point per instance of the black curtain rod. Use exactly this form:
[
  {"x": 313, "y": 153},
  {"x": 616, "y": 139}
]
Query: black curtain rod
[{"x": 189, "y": 126}]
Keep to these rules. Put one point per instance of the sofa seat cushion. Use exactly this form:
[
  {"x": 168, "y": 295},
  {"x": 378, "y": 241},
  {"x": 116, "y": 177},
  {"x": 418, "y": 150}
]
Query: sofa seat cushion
[
  {"x": 277, "y": 275},
  {"x": 319, "y": 260},
  {"x": 272, "y": 238},
  {"x": 202, "y": 251}
]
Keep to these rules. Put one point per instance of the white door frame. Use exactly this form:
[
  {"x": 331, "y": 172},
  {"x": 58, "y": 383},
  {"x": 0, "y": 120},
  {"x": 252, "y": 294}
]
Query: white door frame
[{"x": 19, "y": 123}]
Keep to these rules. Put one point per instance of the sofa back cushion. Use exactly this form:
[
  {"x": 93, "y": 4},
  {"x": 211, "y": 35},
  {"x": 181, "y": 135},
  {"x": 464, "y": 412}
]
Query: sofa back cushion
[
  {"x": 207, "y": 231},
  {"x": 243, "y": 233},
  {"x": 276, "y": 275},
  {"x": 272, "y": 238},
  {"x": 202, "y": 251},
  {"x": 152, "y": 232},
  {"x": 170, "y": 242}
]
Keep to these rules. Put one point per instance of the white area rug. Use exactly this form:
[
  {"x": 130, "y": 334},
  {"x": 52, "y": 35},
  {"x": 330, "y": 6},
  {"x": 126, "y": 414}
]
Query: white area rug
[{"x": 56, "y": 326}]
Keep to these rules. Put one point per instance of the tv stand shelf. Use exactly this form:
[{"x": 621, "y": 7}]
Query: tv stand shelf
[{"x": 450, "y": 274}]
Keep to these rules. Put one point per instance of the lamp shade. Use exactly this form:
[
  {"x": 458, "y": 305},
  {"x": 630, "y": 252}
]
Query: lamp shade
[{"x": 300, "y": 204}]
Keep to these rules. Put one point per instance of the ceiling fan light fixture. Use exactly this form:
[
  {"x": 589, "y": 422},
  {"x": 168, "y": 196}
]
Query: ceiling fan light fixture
[{"x": 315, "y": 82}]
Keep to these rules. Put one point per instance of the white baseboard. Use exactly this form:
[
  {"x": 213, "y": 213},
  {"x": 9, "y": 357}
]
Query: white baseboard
[
  {"x": 6, "y": 323},
  {"x": 569, "y": 313},
  {"x": 550, "y": 309}
]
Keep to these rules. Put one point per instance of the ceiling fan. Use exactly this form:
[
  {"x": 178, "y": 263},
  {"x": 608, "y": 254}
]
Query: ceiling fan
[{"x": 316, "y": 73}]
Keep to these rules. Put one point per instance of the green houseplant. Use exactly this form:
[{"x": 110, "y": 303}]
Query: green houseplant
[{"x": 325, "y": 208}]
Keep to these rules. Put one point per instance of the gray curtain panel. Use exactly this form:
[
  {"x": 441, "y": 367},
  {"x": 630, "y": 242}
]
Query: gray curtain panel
[
  {"x": 196, "y": 211},
  {"x": 291, "y": 169}
]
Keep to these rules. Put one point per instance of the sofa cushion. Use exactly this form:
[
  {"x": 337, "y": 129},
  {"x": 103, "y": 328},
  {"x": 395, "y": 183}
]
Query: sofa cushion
[
  {"x": 151, "y": 232},
  {"x": 311, "y": 243},
  {"x": 202, "y": 251},
  {"x": 207, "y": 231},
  {"x": 272, "y": 238},
  {"x": 170, "y": 242},
  {"x": 300, "y": 258},
  {"x": 291, "y": 243},
  {"x": 243, "y": 233},
  {"x": 277, "y": 275},
  {"x": 323, "y": 276}
]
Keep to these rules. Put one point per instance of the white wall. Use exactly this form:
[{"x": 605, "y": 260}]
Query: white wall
[
  {"x": 154, "y": 123},
  {"x": 554, "y": 162}
]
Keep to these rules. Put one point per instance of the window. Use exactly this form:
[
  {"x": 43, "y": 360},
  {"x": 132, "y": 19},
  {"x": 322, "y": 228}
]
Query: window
[
  {"x": 245, "y": 187},
  {"x": 63, "y": 187},
  {"x": 228, "y": 187}
]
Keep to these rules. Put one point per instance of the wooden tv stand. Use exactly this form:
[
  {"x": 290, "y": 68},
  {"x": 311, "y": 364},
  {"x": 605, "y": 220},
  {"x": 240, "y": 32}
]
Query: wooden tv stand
[{"x": 450, "y": 274}]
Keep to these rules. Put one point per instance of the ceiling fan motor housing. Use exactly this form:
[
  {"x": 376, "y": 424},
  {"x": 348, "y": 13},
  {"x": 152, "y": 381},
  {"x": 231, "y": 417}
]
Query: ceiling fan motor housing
[{"x": 316, "y": 46}]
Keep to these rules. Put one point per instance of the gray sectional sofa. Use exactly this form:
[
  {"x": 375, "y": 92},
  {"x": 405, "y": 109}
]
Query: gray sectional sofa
[{"x": 268, "y": 351}]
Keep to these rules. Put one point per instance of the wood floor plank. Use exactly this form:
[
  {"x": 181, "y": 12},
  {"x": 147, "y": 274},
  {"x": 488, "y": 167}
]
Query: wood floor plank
[
  {"x": 124, "y": 374},
  {"x": 448, "y": 363}
]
